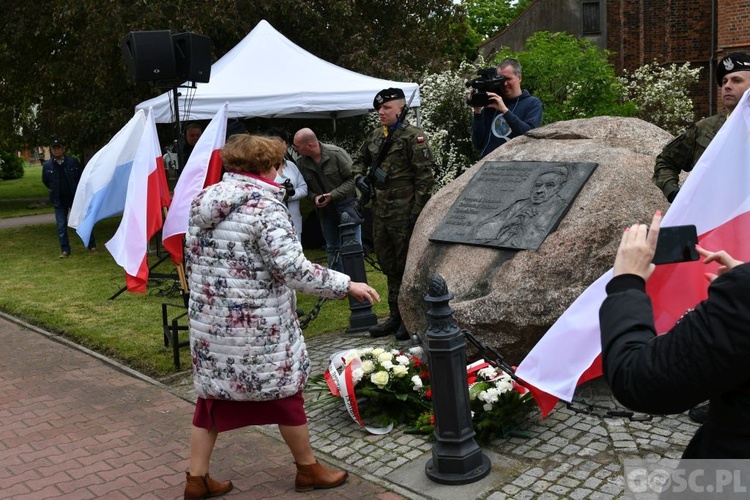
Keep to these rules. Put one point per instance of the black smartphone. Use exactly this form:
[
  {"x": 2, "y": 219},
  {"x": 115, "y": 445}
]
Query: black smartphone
[{"x": 676, "y": 244}]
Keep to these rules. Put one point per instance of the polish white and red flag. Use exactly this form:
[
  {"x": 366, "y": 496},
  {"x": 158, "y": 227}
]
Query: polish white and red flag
[
  {"x": 203, "y": 169},
  {"x": 147, "y": 194},
  {"x": 716, "y": 199}
]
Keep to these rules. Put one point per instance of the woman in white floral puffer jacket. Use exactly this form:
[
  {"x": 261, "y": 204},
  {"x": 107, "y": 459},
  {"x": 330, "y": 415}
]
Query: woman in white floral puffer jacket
[{"x": 250, "y": 362}]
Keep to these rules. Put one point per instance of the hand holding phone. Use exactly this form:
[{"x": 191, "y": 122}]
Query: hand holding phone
[
  {"x": 676, "y": 244},
  {"x": 322, "y": 200}
]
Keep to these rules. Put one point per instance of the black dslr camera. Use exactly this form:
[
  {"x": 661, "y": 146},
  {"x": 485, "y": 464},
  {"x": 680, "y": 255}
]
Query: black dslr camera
[
  {"x": 487, "y": 81},
  {"x": 290, "y": 191}
]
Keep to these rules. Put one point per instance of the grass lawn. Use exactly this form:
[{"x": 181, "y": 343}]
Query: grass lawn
[
  {"x": 25, "y": 196},
  {"x": 71, "y": 296}
]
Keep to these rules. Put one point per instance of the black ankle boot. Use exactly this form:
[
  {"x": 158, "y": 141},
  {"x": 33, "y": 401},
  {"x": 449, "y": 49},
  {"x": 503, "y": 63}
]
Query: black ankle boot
[
  {"x": 388, "y": 327},
  {"x": 402, "y": 333}
]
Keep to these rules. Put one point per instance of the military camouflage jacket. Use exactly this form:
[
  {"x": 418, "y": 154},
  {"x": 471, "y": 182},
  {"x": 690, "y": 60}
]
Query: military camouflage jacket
[
  {"x": 410, "y": 166},
  {"x": 683, "y": 152}
]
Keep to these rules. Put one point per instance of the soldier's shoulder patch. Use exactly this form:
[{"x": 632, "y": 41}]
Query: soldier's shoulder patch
[{"x": 420, "y": 139}]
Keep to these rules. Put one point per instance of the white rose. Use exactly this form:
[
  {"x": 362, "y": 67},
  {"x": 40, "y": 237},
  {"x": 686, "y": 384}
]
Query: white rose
[
  {"x": 366, "y": 350},
  {"x": 377, "y": 352},
  {"x": 368, "y": 366},
  {"x": 416, "y": 352},
  {"x": 487, "y": 373},
  {"x": 400, "y": 371},
  {"x": 402, "y": 360},
  {"x": 395, "y": 352},
  {"x": 380, "y": 378},
  {"x": 504, "y": 385},
  {"x": 387, "y": 365},
  {"x": 417, "y": 382},
  {"x": 487, "y": 407},
  {"x": 385, "y": 356},
  {"x": 357, "y": 375}
]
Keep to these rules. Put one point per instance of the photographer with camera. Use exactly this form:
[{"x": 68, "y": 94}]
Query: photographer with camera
[{"x": 502, "y": 110}]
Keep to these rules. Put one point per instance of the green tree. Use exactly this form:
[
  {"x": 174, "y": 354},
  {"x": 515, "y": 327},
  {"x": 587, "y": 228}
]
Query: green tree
[
  {"x": 64, "y": 74},
  {"x": 571, "y": 76},
  {"x": 487, "y": 18}
]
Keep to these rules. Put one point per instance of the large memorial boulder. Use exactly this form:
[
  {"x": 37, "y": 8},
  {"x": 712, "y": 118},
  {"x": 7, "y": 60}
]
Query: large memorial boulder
[{"x": 509, "y": 298}]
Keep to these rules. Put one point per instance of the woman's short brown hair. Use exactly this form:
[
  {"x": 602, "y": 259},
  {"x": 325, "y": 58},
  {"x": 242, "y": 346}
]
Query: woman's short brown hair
[{"x": 252, "y": 153}]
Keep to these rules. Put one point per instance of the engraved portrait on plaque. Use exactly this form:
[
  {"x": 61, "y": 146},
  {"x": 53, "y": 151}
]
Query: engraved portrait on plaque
[{"x": 513, "y": 205}]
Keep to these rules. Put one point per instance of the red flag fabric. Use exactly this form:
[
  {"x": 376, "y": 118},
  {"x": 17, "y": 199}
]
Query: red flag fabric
[
  {"x": 716, "y": 199},
  {"x": 203, "y": 169},
  {"x": 147, "y": 194}
]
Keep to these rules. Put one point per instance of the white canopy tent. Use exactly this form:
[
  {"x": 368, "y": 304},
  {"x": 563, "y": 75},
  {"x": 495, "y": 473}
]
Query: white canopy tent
[{"x": 266, "y": 75}]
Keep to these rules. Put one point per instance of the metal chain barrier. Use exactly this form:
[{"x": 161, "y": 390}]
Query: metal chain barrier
[
  {"x": 601, "y": 411},
  {"x": 319, "y": 304},
  {"x": 373, "y": 263},
  {"x": 576, "y": 405}
]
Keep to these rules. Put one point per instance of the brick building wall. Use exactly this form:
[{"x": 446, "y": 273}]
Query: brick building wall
[
  {"x": 643, "y": 31},
  {"x": 666, "y": 31},
  {"x": 733, "y": 26}
]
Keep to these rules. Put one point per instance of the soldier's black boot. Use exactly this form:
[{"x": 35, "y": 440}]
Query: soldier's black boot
[
  {"x": 402, "y": 333},
  {"x": 388, "y": 327}
]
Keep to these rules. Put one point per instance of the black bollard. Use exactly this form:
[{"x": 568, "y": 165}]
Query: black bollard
[
  {"x": 361, "y": 317},
  {"x": 456, "y": 457}
]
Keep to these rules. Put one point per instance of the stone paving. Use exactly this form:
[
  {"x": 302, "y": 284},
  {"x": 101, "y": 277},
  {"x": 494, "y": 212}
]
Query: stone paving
[{"x": 568, "y": 454}]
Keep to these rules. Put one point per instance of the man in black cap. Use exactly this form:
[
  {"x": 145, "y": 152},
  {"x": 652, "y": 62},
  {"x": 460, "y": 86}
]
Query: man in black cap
[
  {"x": 401, "y": 191},
  {"x": 61, "y": 174},
  {"x": 684, "y": 151}
]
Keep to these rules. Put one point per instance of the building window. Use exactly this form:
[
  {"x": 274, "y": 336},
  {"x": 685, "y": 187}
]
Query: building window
[{"x": 591, "y": 18}]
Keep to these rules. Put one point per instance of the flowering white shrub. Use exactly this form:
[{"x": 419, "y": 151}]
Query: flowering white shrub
[
  {"x": 446, "y": 118},
  {"x": 660, "y": 94}
]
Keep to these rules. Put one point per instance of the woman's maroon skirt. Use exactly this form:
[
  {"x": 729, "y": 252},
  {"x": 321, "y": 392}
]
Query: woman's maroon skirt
[{"x": 228, "y": 415}]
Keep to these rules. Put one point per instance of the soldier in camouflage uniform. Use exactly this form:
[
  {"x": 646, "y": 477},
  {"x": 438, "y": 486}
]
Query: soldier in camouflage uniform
[
  {"x": 684, "y": 151},
  {"x": 398, "y": 201}
]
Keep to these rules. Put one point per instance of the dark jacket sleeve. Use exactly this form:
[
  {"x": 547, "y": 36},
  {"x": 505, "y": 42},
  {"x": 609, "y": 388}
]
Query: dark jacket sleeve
[
  {"x": 705, "y": 354},
  {"x": 530, "y": 117},
  {"x": 480, "y": 127}
]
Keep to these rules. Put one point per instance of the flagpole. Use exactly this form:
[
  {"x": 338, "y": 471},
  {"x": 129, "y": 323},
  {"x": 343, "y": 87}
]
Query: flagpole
[
  {"x": 180, "y": 270},
  {"x": 180, "y": 138}
]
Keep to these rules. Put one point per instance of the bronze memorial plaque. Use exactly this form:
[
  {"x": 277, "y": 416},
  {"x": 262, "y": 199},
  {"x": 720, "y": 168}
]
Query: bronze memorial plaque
[{"x": 513, "y": 204}]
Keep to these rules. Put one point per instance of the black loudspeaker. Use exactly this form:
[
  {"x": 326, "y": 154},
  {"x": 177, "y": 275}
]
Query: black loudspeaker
[
  {"x": 193, "y": 56},
  {"x": 149, "y": 55}
]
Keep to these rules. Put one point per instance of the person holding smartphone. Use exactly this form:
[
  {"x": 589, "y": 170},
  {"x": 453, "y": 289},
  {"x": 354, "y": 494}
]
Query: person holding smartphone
[
  {"x": 702, "y": 357},
  {"x": 327, "y": 170}
]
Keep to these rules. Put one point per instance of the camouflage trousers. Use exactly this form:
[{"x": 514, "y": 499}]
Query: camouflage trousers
[{"x": 391, "y": 242}]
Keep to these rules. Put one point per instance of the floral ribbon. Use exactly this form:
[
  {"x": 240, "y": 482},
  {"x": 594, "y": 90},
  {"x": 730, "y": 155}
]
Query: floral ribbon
[{"x": 342, "y": 384}]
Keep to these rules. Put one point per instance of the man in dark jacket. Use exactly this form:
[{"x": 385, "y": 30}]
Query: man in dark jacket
[
  {"x": 61, "y": 174},
  {"x": 704, "y": 356},
  {"x": 327, "y": 170},
  {"x": 507, "y": 116}
]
